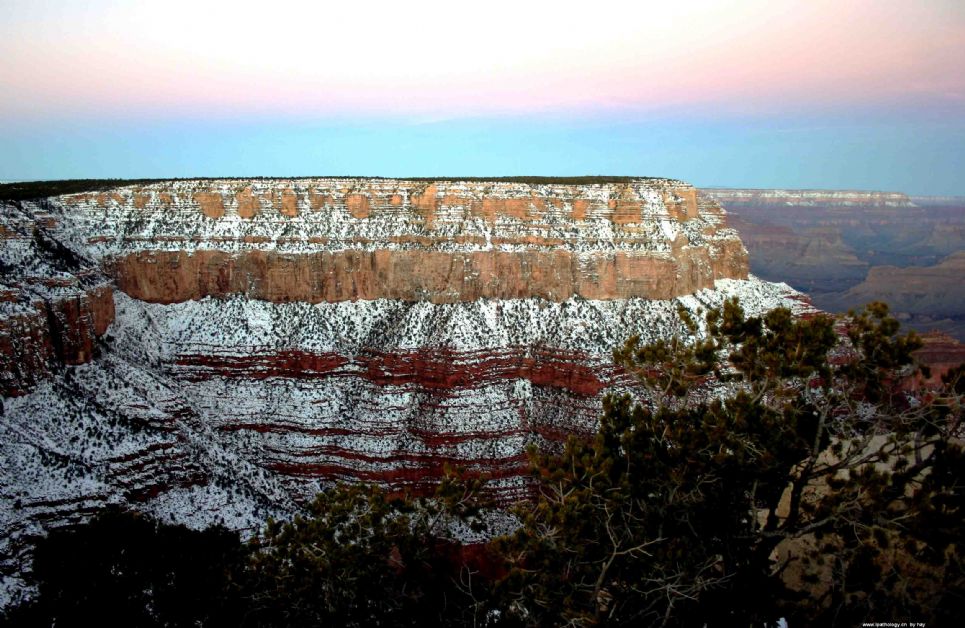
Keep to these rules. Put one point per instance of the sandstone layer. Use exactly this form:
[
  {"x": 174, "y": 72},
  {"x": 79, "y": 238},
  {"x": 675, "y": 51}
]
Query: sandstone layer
[
  {"x": 417, "y": 275},
  {"x": 345, "y": 239}
]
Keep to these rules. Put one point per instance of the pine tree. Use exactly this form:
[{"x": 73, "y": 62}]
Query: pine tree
[{"x": 817, "y": 489}]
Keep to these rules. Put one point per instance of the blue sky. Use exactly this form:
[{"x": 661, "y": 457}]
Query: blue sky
[
  {"x": 918, "y": 157},
  {"x": 859, "y": 94}
]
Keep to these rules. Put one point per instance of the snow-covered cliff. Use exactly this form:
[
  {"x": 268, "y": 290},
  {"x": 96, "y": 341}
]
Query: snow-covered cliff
[{"x": 267, "y": 338}]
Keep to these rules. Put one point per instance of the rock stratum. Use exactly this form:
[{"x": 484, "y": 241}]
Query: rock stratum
[
  {"x": 846, "y": 248},
  {"x": 749, "y": 197},
  {"x": 54, "y": 303},
  {"x": 219, "y": 350},
  {"x": 443, "y": 242}
]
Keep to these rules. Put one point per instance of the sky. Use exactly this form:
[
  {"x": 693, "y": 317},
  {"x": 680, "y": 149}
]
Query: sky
[{"x": 858, "y": 94}]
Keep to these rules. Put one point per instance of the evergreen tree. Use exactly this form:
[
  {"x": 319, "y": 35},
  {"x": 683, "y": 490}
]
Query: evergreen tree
[
  {"x": 126, "y": 569},
  {"x": 362, "y": 557},
  {"x": 818, "y": 490}
]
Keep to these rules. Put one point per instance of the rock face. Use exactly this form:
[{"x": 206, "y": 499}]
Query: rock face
[
  {"x": 443, "y": 242},
  {"x": 267, "y": 338},
  {"x": 53, "y": 303},
  {"x": 847, "y": 248},
  {"x": 435, "y": 276}
]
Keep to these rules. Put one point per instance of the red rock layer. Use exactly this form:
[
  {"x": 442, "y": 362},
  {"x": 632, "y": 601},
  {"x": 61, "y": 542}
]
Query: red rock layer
[
  {"x": 429, "y": 369},
  {"x": 452, "y": 389},
  {"x": 436, "y": 276},
  {"x": 78, "y": 321},
  {"x": 59, "y": 331}
]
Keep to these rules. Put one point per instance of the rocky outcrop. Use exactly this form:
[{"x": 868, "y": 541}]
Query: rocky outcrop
[
  {"x": 58, "y": 331},
  {"x": 26, "y": 351},
  {"x": 53, "y": 304},
  {"x": 331, "y": 240}
]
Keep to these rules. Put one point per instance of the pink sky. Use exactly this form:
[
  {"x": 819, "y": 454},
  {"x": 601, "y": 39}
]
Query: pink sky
[
  {"x": 865, "y": 94},
  {"x": 437, "y": 60}
]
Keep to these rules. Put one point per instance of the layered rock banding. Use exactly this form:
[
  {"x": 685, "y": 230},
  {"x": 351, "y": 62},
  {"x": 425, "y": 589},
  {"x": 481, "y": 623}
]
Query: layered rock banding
[
  {"x": 846, "y": 248},
  {"x": 443, "y": 242},
  {"x": 273, "y": 336},
  {"x": 54, "y": 304},
  {"x": 745, "y": 197}
]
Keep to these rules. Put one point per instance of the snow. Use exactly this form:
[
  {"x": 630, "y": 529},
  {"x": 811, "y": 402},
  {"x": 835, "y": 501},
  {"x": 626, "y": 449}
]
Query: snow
[
  {"x": 241, "y": 326},
  {"x": 136, "y": 398},
  {"x": 170, "y": 218},
  {"x": 146, "y": 426}
]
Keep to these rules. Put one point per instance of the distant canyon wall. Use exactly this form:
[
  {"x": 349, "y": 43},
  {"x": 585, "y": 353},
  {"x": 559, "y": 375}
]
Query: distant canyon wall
[
  {"x": 847, "y": 248},
  {"x": 737, "y": 197}
]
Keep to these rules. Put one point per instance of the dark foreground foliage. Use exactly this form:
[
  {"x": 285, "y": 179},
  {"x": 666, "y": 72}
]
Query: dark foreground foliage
[
  {"x": 28, "y": 190},
  {"x": 819, "y": 491},
  {"x": 364, "y": 558},
  {"x": 127, "y": 569}
]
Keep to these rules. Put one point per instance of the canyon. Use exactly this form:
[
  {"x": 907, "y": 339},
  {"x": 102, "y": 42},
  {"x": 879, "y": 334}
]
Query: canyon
[
  {"x": 217, "y": 351},
  {"x": 847, "y": 248}
]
